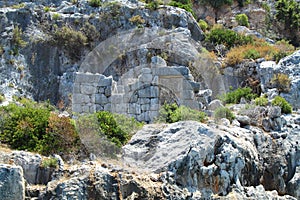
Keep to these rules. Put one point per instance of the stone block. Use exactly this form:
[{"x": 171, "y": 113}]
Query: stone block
[
  {"x": 101, "y": 90},
  {"x": 145, "y": 78},
  {"x": 80, "y": 99},
  {"x": 191, "y": 104},
  {"x": 88, "y": 89},
  {"x": 154, "y": 107},
  {"x": 107, "y": 107},
  {"x": 157, "y": 61},
  {"x": 134, "y": 109},
  {"x": 108, "y": 91},
  {"x": 99, "y": 108},
  {"x": 154, "y": 92},
  {"x": 105, "y": 82},
  {"x": 76, "y": 108},
  {"x": 166, "y": 71},
  {"x": 144, "y": 100},
  {"x": 117, "y": 99},
  {"x": 153, "y": 115},
  {"x": 145, "y": 107},
  {"x": 87, "y": 78},
  {"x": 120, "y": 89},
  {"x": 188, "y": 95},
  {"x": 76, "y": 88},
  {"x": 101, "y": 99},
  {"x": 146, "y": 71}
]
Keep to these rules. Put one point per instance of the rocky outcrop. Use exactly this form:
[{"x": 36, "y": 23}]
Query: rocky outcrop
[
  {"x": 211, "y": 160},
  {"x": 12, "y": 183}
]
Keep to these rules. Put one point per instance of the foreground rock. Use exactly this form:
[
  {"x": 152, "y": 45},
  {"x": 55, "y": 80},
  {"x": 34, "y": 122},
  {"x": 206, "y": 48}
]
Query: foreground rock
[
  {"x": 12, "y": 183},
  {"x": 214, "y": 160}
]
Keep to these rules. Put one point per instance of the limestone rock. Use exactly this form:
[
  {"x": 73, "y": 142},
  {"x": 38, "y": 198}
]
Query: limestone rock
[{"x": 12, "y": 183}]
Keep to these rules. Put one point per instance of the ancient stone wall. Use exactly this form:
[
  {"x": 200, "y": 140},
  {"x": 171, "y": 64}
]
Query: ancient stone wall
[{"x": 138, "y": 93}]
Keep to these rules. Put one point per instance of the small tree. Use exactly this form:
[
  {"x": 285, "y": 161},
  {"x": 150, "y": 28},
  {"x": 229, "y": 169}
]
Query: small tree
[
  {"x": 242, "y": 20},
  {"x": 216, "y": 5}
]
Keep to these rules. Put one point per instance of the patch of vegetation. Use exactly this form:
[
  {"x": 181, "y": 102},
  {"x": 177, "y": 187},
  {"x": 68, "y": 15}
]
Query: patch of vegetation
[
  {"x": 261, "y": 101},
  {"x": 49, "y": 163},
  {"x": 284, "y": 49},
  {"x": 259, "y": 49},
  {"x": 95, "y": 3},
  {"x": 242, "y": 20},
  {"x": 236, "y": 95},
  {"x": 70, "y": 40},
  {"x": 170, "y": 113},
  {"x": 118, "y": 133},
  {"x": 17, "y": 40},
  {"x": 33, "y": 127},
  {"x": 90, "y": 32},
  {"x": 184, "y": 4},
  {"x": 2, "y": 98},
  {"x": 288, "y": 12},
  {"x": 56, "y": 16},
  {"x": 286, "y": 108},
  {"x": 137, "y": 20},
  {"x": 227, "y": 37},
  {"x": 203, "y": 25},
  {"x": 47, "y": 9},
  {"x": 1, "y": 50},
  {"x": 224, "y": 112},
  {"x": 18, "y": 6},
  {"x": 153, "y": 4},
  {"x": 282, "y": 82},
  {"x": 242, "y": 3},
  {"x": 60, "y": 136}
]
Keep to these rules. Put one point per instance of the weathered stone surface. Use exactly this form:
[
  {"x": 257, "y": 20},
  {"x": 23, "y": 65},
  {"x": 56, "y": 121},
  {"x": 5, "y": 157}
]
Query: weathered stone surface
[
  {"x": 12, "y": 183},
  {"x": 213, "y": 105},
  {"x": 208, "y": 160},
  {"x": 243, "y": 120}
]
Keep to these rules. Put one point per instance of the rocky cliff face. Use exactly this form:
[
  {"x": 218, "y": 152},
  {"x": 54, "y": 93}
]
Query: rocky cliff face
[{"x": 173, "y": 161}]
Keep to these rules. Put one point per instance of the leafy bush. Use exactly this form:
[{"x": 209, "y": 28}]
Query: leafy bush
[
  {"x": 23, "y": 127},
  {"x": 95, "y": 3},
  {"x": 118, "y": 133},
  {"x": 261, "y": 101},
  {"x": 49, "y": 162},
  {"x": 283, "y": 104},
  {"x": 56, "y": 16},
  {"x": 17, "y": 38},
  {"x": 18, "y": 6},
  {"x": 288, "y": 12},
  {"x": 60, "y": 135},
  {"x": 203, "y": 25},
  {"x": 33, "y": 127},
  {"x": 253, "y": 51},
  {"x": 242, "y": 20},
  {"x": 184, "y": 4},
  {"x": 284, "y": 48},
  {"x": 171, "y": 113},
  {"x": 251, "y": 54},
  {"x": 236, "y": 95},
  {"x": 228, "y": 38},
  {"x": 70, "y": 40},
  {"x": 282, "y": 82},
  {"x": 224, "y": 112},
  {"x": 152, "y": 4},
  {"x": 2, "y": 98}
]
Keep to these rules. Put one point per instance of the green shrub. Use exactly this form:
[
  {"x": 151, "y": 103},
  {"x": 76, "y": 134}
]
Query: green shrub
[
  {"x": 283, "y": 104},
  {"x": 23, "y": 127},
  {"x": 203, "y": 25},
  {"x": 47, "y": 9},
  {"x": 49, "y": 162},
  {"x": 70, "y": 40},
  {"x": 261, "y": 101},
  {"x": 236, "y": 95},
  {"x": 282, "y": 82},
  {"x": 2, "y": 98},
  {"x": 251, "y": 54},
  {"x": 18, "y": 6},
  {"x": 152, "y": 4},
  {"x": 227, "y": 37},
  {"x": 224, "y": 112},
  {"x": 95, "y": 3},
  {"x": 184, "y": 4},
  {"x": 170, "y": 113},
  {"x": 60, "y": 136},
  {"x": 242, "y": 20},
  {"x": 17, "y": 38},
  {"x": 116, "y": 127},
  {"x": 56, "y": 16}
]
